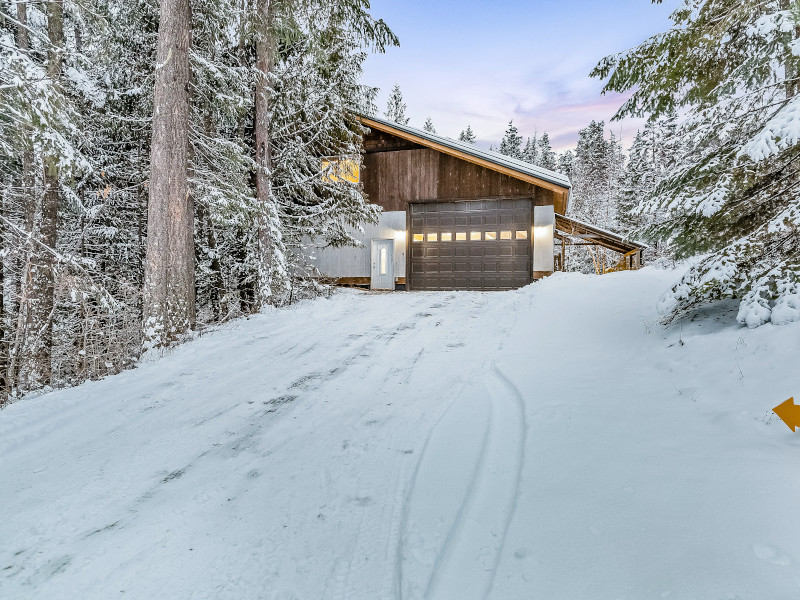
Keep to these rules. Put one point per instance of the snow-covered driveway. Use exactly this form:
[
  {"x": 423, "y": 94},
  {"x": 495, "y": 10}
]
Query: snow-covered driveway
[{"x": 552, "y": 443}]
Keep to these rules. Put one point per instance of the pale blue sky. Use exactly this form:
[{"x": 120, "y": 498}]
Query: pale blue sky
[{"x": 484, "y": 63}]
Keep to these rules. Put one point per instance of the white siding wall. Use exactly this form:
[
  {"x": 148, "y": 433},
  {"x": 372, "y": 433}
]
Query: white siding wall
[{"x": 355, "y": 262}]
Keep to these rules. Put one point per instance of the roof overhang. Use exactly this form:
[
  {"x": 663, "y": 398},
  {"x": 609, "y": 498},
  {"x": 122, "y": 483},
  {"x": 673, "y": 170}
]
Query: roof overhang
[{"x": 568, "y": 227}]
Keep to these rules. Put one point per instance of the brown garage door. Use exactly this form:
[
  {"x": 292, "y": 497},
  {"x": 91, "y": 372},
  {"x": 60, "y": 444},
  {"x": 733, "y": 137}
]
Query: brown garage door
[{"x": 480, "y": 245}]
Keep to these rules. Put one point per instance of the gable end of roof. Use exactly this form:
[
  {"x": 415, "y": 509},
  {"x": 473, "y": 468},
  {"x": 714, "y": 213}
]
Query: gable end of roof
[{"x": 500, "y": 162}]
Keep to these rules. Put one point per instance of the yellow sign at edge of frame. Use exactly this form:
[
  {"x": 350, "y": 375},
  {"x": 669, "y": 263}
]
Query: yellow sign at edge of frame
[{"x": 789, "y": 413}]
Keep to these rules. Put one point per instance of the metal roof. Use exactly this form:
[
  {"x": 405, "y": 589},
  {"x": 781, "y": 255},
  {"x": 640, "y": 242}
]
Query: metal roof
[
  {"x": 581, "y": 227},
  {"x": 493, "y": 157}
]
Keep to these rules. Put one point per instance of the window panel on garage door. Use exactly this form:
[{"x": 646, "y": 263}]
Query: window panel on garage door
[{"x": 466, "y": 258}]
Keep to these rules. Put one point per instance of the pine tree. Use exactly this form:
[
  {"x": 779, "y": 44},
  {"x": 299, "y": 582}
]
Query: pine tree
[
  {"x": 595, "y": 173},
  {"x": 592, "y": 176},
  {"x": 467, "y": 136},
  {"x": 566, "y": 162},
  {"x": 318, "y": 96},
  {"x": 666, "y": 144},
  {"x": 511, "y": 144},
  {"x": 546, "y": 156},
  {"x": 396, "y": 107},
  {"x": 221, "y": 163},
  {"x": 530, "y": 153},
  {"x": 733, "y": 191},
  {"x": 429, "y": 126},
  {"x": 638, "y": 183},
  {"x": 616, "y": 158},
  {"x": 651, "y": 158},
  {"x": 311, "y": 57}
]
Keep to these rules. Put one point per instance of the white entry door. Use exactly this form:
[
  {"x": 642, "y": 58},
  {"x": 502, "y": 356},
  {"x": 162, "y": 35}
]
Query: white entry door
[{"x": 382, "y": 277}]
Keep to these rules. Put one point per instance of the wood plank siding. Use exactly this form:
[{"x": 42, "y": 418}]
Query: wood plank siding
[
  {"x": 378, "y": 141},
  {"x": 395, "y": 179},
  {"x": 466, "y": 152}
]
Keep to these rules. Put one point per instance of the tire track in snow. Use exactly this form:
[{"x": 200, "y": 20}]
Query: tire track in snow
[
  {"x": 377, "y": 522},
  {"x": 464, "y": 495}
]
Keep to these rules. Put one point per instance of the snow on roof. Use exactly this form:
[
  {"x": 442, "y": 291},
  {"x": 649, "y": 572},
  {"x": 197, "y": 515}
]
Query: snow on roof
[
  {"x": 604, "y": 232},
  {"x": 494, "y": 157}
]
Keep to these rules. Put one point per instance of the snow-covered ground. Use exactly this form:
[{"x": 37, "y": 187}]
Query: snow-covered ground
[{"x": 555, "y": 442}]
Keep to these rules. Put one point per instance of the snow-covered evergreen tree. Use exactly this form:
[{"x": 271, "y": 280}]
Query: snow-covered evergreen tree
[
  {"x": 396, "y": 107},
  {"x": 308, "y": 54},
  {"x": 467, "y": 135},
  {"x": 732, "y": 66},
  {"x": 638, "y": 183},
  {"x": 50, "y": 68},
  {"x": 546, "y": 158},
  {"x": 592, "y": 171},
  {"x": 314, "y": 119},
  {"x": 651, "y": 159},
  {"x": 225, "y": 206},
  {"x": 511, "y": 144},
  {"x": 530, "y": 153},
  {"x": 566, "y": 161},
  {"x": 429, "y": 126},
  {"x": 595, "y": 174}
]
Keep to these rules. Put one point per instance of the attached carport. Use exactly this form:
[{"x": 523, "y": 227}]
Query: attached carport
[{"x": 572, "y": 232}]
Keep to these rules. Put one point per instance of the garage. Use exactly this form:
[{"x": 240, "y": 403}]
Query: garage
[{"x": 474, "y": 245}]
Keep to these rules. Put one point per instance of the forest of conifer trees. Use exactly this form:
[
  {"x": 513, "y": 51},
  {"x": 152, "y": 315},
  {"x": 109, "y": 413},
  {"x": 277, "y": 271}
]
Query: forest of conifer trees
[
  {"x": 159, "y": 169},
  {"x": 160, "y": 165}
]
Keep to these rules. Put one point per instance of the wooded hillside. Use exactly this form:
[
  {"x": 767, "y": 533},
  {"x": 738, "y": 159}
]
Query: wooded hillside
[{"x": 160, "y": 166}]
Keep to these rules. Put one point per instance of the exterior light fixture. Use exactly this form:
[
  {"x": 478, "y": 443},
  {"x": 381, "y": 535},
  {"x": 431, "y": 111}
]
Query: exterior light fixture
[{"x": 544, "y": 225}]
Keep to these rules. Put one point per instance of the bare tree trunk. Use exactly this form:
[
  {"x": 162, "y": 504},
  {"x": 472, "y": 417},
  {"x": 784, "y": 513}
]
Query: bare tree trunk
[
  {"x": 28, "y": 180},
  {"x": 263, "y": 151},
  {"x": 28, "y": 177},
  {"x": 4, "y": 346},
  {"x": 43, "y": 274},
  {"x": 24, "y": 44},
  {"x": 216, "y": 291},
  {"x": 141, "y": 228},
  {"x": 169, "y": 295},
  {"x": 36, "y": 314},
  {"x": 7, "y": 365},
  {"x": 270, "y": 258}
]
